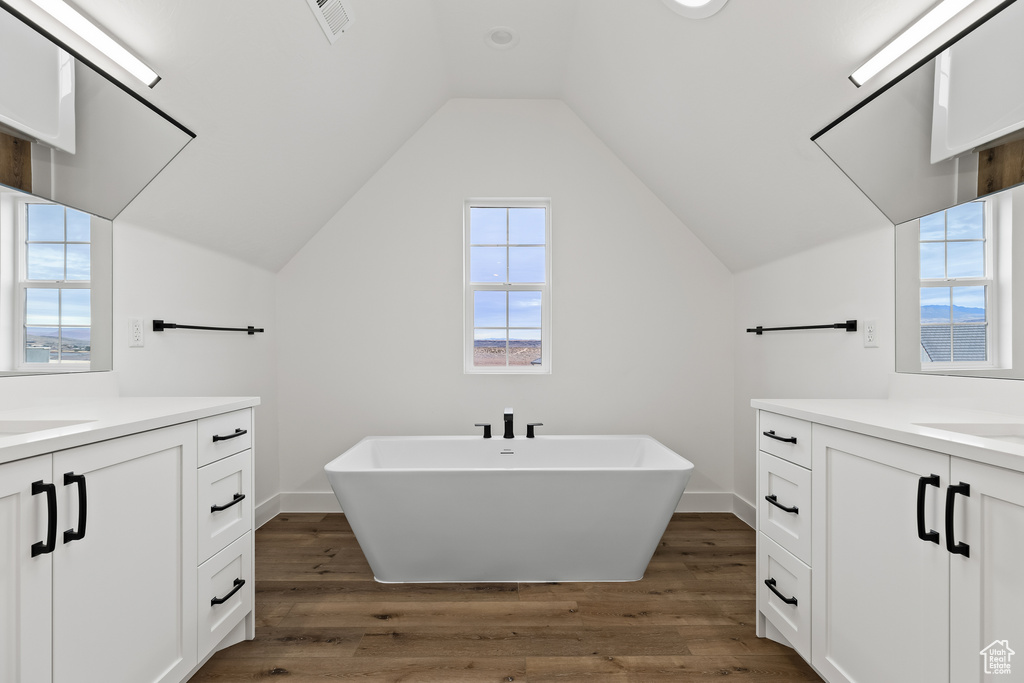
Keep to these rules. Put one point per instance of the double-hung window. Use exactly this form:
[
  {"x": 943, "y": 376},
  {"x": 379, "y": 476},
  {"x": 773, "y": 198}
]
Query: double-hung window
[
  {"x": 507, "y": 286},
  {"x": 957, "y": 287},
  {"x": 54, "y": 287}
]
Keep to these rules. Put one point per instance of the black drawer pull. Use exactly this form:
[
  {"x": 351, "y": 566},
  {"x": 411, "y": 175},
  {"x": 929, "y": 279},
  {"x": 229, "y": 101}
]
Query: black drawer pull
[
  {"x": 238, "y": 586},
  {"x": 238, "y": 432},
  {"x": 771, "y": 585},
  {"x": 83, "y": 507},
  {"x": 922, "y": 484},
  {"x": 239, "y": 497},
  {"x": 951, "y": 544},
  {"x": 772, "y": 435},
  {"x": 775, "y": 501},
  {"x": 41, "y": 548}
]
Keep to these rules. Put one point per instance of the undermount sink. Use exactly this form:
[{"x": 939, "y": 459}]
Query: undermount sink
[
  {"x": 1012, "y": 432},
  {"x": 11, "y": 427}
]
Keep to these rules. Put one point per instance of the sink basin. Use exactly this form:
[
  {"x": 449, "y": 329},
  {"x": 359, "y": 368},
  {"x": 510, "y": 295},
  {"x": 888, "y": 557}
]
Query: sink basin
[
  {"x": 11, "y": 427},
  {"x": 1012, "y": 432}
]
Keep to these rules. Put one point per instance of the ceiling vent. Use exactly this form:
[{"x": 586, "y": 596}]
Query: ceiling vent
[{"x": 333, "y": 17}]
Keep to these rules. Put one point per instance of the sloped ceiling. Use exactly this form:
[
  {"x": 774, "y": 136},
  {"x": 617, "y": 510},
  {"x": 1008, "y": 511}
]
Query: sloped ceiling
[{"x": 715, "y": 115}]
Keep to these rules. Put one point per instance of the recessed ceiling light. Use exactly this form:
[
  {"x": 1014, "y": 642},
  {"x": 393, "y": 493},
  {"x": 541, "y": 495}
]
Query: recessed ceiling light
[
  {"x": 502, "y": 38},
  {"x": 695, "y": 9}
]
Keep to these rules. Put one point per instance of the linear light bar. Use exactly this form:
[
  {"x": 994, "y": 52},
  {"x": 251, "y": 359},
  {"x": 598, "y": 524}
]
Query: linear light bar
[
  {"x": 96, "y": 37},
  {"x": 920, "y": 30}
]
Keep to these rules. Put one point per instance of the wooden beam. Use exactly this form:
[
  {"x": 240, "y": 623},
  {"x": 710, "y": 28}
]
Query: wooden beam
[
  {"x": 1000, "y": 167},
  {"x": 15, "y": 162}
]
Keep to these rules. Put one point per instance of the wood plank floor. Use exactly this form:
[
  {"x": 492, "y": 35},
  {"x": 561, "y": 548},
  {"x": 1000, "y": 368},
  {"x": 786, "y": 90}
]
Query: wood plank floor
[{"x": 321, "y": 617}]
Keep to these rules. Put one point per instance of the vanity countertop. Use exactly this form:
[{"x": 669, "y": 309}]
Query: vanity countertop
[
  {"x": 998, "y": 438},
  {"x": 99, "y": 419}
]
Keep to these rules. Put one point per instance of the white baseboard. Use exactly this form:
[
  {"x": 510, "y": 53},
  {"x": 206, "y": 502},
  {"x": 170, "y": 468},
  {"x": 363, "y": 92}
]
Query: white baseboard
[
  {"x": 325, "y": 501},
  {"x": 267, "y": 510}
]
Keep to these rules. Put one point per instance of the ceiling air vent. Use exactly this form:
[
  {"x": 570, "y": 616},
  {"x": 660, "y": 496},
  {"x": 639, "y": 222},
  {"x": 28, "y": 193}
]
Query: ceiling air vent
[{"x": 333, "y": 17}]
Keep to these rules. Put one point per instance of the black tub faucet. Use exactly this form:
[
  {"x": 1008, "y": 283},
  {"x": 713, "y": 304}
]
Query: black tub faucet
[{"x": 508, "y": 424}]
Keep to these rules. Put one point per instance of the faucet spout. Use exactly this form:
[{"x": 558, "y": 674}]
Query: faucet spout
[{"x": 508, "y": 424}]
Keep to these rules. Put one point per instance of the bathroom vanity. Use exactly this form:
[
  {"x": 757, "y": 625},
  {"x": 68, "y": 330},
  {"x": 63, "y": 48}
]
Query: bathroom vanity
[
  {"x": 126, "y": 538},
  {"x": 889, "y": 538}
]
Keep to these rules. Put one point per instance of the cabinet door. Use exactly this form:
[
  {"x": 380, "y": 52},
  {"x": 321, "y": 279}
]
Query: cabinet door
[
  {"x": 24, "y": 579},
  {"x": 986, "y": 590},
  {"x": 124, "y": 594},
  {"x": 879, "y": 593}
]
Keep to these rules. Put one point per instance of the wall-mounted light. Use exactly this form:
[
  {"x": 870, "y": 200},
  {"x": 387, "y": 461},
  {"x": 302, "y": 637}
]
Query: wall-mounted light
[
  {"x": 96, "y": 37},
  {"x": 936, "y": 17},
  {"x": 695, "y": 9}
]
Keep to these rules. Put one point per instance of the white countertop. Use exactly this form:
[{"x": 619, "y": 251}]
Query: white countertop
[
  {"x": 105, "y": 418},
  {"x": 900, "y": 421}
]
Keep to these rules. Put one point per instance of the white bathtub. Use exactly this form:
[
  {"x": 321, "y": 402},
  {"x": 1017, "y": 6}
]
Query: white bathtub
[{"x": 468, "y": 509}]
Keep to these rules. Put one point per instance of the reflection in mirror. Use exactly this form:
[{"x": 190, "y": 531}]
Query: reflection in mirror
[
  {"x": 117, "y": 143},
  {"x": 956, "y": 287},
  {"x": 55, "y": 287},
  {"x": 944, "y": 133}
]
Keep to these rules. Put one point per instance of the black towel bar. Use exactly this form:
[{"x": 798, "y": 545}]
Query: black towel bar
[
  {"x": 160, "y": 326},
  {"x": 849, "y": 326}
]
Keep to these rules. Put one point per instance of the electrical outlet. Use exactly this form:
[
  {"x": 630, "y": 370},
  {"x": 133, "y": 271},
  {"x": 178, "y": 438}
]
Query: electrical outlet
[
  {"x": 135, "y": 332},
  {"x": 870, "y": 334}
]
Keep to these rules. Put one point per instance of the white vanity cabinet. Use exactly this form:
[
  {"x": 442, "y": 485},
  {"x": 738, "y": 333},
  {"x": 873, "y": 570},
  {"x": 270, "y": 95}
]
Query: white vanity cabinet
[
  {"x": 986, "y": 591},
  {"x": 101, "y": 578},
  {"x": 915, "y": 558},
  {"x": 880, "y": 593},
  {"x": 25, "y": 624}
]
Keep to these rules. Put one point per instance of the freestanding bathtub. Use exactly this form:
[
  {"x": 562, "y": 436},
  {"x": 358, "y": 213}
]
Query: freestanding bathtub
[{"x": 468, "y": 509}]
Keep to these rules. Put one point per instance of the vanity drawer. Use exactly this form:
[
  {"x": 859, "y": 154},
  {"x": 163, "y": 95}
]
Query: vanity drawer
[
  {"x": 784, "y": 504},
  {"x": 792, "y": 579},
  {"x": 225, "y": 592},
  {"x": 225, "y": 502},
  {"x": 786, "y": 437},
  {"x": 224, "y": 435}
]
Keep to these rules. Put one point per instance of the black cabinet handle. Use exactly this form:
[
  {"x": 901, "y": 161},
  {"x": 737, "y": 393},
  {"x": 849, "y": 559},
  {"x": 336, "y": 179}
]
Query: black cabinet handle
[
  {"x": 83, "y": 507},
  {"x": 951, "y": 544},
  {"x": 773, "y": 499},
  {"x": 771, "y": 586},
  {"x": 772, "y": 435},
  {"x": 41, "y": 548},
  {"x": 238, "y": 432},
  {"x": 487, "y": 428},
  {"x": 239, "y": 497},
  {"x": 238, "y": 586},
  {"x": 922, "y": 484}
]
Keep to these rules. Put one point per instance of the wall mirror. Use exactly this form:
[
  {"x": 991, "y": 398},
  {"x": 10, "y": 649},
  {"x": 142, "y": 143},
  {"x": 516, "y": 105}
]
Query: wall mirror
[
  {"x": 945, "y": 132},
  {"x": 958, "y": 282},
  {"x": 72, "y": 134},
  {"x": 75, "y": 148},
  {"x": 940, "y": 151},
  {"x": 55, "y": 287}
]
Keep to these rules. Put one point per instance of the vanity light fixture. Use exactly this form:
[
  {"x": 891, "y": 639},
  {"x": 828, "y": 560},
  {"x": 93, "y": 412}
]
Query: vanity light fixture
[
  {"x": 936, "y": 17},
  {"x": 695, "y": 9},
  {"x": 96, "y": 37}
]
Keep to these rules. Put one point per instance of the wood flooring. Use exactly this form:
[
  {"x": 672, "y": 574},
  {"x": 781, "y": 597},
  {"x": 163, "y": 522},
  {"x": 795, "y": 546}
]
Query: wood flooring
[{"x": 321, "y": 617}]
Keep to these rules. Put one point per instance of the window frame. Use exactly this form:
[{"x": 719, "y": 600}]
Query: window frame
[
  {"x": 470, "y": 288},
  {"x": 990, "y": 282},
  {"x": 22, "y": 284}
]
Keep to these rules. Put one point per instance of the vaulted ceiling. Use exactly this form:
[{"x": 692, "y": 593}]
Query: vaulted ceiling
[{"x": 714, "y": 115}]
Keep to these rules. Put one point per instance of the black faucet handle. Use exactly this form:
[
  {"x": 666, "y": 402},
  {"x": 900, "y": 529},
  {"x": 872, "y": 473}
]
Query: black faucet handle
[
  {"x": 530, "y": 426},
  {"x": 487, "y": 428}
]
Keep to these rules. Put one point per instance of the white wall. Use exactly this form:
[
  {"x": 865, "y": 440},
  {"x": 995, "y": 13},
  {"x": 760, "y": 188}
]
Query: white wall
[
  {"x": 850, "y": 278},
  {"x": 160, "y": 277},
  {"x": 370, "y": 310}
]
